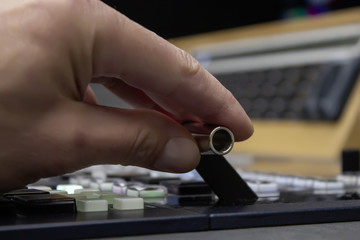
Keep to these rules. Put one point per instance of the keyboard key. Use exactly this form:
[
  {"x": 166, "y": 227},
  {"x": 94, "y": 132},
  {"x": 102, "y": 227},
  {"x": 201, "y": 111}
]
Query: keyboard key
[
  {"x": 69, "y": 188},
  {"x": 91, "y": 205},
  {"x": 315, "y": 85},
  {"x": 44, "y": 203},
  {"x": 265, "y": 189},
  {"x": 128, "y": 203},
  {"x": 147, "y": 191},
  {"x": 43, "y": 188},
  {"x": 61, "y": 192},
  {"x": 86, "y": 191},
  {"x": 328, "y": 187}
]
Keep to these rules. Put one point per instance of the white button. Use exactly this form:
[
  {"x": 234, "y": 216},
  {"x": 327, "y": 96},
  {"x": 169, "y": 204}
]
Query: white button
[
  {"x": 43, "y": 188},
  {"x": 119, "y": 189},
  {"x": 69, "y": 188},
  {"x": 58, "y": 192},
  {"x": 128, "y": 203},
  {"x": 303, "y": 183},
  {"x": 284, "y": 181},
  {"x": 266, "y": 177},
  {"x": 91, "y": 205},
  {"x": 328, "y": 187},
  {"x": 146, "y": 191},
  {"x": 350, "y": 180},
  {"x": 264, "y": 189},
  {"x": 106, "y": 186}
]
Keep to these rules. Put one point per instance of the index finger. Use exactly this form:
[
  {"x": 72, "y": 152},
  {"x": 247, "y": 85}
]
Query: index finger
[{"x": 168, "y": 75}]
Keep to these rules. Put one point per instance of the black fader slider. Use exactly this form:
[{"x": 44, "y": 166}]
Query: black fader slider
[
  {"x": 350, "y": 160},
  {"x": 225, "y": 182}
]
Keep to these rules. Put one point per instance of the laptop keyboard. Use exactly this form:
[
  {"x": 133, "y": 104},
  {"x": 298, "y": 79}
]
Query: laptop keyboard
[{"x": 307, "y": 92}]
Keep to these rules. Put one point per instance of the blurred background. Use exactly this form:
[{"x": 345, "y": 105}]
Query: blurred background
[
  {"x": 175, "y": 18},
  {"x": 293, "y": 65}
]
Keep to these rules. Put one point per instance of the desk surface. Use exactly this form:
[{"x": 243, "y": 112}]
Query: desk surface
[{"x": 329, "y": 231}]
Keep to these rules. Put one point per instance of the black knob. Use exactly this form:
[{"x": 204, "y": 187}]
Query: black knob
[{"x": 350, "y": 160}]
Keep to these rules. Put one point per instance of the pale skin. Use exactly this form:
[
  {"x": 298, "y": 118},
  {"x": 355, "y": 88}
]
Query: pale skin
[{"x": 50, "y": 121}]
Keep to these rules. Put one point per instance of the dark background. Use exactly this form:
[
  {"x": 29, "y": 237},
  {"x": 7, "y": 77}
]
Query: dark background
[{"x": 174, "y": 18}]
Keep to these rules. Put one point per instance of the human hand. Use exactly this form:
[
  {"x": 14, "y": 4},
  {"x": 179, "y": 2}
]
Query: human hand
[{"x": 50, "y": 123}]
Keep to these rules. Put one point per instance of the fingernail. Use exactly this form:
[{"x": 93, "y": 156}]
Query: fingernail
[{"x": 179, "y": 155}]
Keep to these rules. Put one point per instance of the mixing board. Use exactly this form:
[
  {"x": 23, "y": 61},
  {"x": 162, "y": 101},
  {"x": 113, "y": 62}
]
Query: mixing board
[{"x": 95, "y": 203}]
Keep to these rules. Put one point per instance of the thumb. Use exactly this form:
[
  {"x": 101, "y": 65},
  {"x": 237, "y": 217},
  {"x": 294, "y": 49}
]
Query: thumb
[{"x": 145, "y": 138}]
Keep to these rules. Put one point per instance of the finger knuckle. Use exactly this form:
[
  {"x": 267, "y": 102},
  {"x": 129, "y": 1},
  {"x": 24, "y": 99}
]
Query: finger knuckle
[{"x": 189, "y": 66}]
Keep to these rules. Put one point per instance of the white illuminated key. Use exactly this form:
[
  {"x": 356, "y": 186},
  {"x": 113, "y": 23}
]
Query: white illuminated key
[
  {"x": 128, "y": 203},
  {"x": 43, "y": 188},
  {"x": 106, "y": 186},
  {"x": 91, "y": 205},
  {"x": 69, "y": 188},
  {"x": 61, "y": 192},
  {"x": 303, "y": 183},
  {"x": 351, "y": 181},
  {"x": 146, "y": 191},
  {"x": 284, "y": 181},
  {"x": 119, "y": 189},
  {"x": 328, "y": 187},
  {"x": 264, "y": 189},
  {"x": 266, "y": 177},
  {"x": 119, "y": 186}
]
